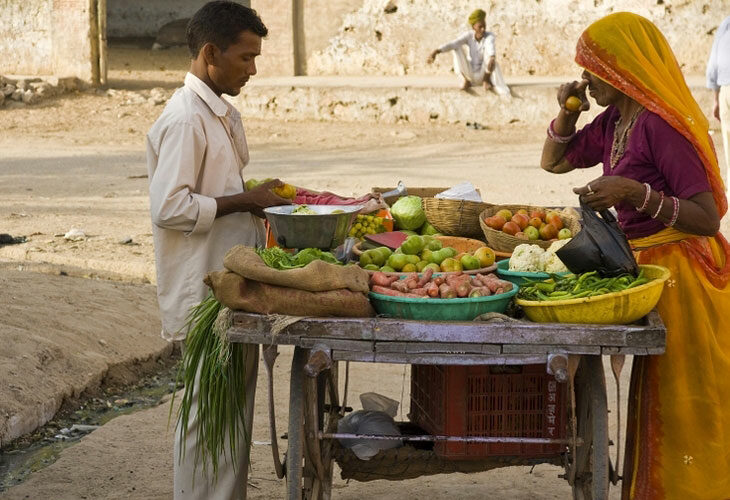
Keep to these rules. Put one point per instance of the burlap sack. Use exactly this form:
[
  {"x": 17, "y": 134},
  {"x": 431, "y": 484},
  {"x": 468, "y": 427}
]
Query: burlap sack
[
  {"x": 236, "y": 292},
  {"x": 317, "y": 276}
]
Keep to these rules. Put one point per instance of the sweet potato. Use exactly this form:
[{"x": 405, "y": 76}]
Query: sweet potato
[
  {"x": 425, "y": 278},
  {"x": 439, "y": 280},
  {"x": 463, "y": 289},
  {"x": 411, "y": 282},
  {"x": 432, "y": 289},
  {"x": 446, "y": 292},
  {"x": 381, "y": 279}
]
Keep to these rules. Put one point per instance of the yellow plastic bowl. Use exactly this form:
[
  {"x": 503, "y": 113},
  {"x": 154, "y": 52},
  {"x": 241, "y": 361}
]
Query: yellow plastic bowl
[{"x": 615, "y": 308}]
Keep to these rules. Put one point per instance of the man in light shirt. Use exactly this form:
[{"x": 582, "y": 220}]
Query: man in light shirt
[
  {"x": 475, "y": 56},
  {"x": 196, "y": 152},
  {"x": 718, "y": 79}
]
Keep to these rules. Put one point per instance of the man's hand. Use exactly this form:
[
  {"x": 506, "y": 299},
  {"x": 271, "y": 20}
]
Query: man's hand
[
  {"x": 432, "y": 57},
  {"x": 253, "y": 201},
  {"x": 262, "y": 197}
]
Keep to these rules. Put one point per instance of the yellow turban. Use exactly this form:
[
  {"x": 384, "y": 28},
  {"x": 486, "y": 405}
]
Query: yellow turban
[{"x": 476, "y": 16}]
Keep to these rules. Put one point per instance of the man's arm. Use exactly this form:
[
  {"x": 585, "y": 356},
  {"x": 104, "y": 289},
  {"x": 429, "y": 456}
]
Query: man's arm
[
  {"x": 173, "y": 202},
  {"x": 448, "y": 46},
  {"x": 253, "y": 201}
]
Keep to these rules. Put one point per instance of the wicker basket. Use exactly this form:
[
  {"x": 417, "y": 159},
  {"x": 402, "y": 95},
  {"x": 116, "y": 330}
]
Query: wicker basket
[
  {"x": 455, "y": 217},
  {"x": 421, "y": 192},
  {"x": 503, "y": 242}
]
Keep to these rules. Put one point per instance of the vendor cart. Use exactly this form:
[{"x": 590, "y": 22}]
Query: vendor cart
[{"x": 572, "y": 354}]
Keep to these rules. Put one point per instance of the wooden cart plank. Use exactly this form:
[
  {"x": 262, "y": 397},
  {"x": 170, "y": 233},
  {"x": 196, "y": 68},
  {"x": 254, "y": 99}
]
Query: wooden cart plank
[
  {"x": 438, "y": 359},
  {"x": 634, "y": 351},
  {"x": 550, "y": 349},
  {"x": 436, "y": 347},
  {"x": 255, "y": 328}
]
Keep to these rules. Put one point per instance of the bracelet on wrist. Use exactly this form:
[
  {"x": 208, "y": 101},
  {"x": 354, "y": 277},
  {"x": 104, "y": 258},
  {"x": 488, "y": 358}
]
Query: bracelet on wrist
[
  {"x": 659, "y": 208},
  {"x": 647, "y": 196},
  {"x": 559, "y": 139},
  {"x": 675, "y": 211}
]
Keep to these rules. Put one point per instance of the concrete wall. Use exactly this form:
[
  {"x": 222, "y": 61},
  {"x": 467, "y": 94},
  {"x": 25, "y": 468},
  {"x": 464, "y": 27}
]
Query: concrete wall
[
  {"x": 322, "y": 20},
  {"x": 533, "y": 37},
  {"x": 142, "y": 18},
  {"x": 47, "y": 37}
]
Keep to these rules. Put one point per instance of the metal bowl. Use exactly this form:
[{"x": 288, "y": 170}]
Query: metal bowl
[{"x": 324, "y": 230}]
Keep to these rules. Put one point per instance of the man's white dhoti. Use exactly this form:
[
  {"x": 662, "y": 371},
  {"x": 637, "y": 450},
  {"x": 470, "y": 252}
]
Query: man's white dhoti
[{"x": 463, "y": 67}]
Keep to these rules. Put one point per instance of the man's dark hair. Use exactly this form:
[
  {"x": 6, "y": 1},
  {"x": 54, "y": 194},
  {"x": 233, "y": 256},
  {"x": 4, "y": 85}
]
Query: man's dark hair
[{"x": 220, "y": 23}]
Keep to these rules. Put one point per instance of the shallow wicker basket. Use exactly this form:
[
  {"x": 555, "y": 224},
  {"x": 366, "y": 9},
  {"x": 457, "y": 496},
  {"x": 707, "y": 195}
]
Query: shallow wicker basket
[
  {"x": 455, "y": 217},
  {"x": 503, "y": 242}
]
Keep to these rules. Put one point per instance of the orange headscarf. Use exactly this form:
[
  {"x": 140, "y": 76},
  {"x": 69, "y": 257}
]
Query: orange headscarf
[{"x": 630, "y": 53}]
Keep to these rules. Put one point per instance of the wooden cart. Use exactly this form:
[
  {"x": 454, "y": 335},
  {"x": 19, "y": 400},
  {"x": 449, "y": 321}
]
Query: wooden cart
[{"x": 572, "y": 352}]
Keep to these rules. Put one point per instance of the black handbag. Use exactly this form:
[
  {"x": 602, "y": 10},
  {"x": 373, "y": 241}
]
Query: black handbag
[{"x": 600, "y": 246}]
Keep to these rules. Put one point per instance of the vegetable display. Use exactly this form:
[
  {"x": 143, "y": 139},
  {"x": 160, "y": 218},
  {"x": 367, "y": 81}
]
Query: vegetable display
[
  {"x": 537, "y": 225},
  {"x": 528, "y": 258},
  {"x": 419, "y": 253},
  {"x": 408, "y": 213},
  {"x": 279, "y": 259},
  {"x": 572, "y": 286},
  {"x": 426, "y": 286},
  {"x": 366, "y": 224}
]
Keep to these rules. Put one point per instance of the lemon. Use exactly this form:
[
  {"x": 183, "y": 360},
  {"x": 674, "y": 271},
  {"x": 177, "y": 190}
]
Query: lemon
[{"x": 572, "y": 103}]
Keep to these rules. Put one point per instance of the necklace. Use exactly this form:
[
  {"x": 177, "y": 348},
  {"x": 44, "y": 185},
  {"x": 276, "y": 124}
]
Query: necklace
[{"x": 619, "y": 140}]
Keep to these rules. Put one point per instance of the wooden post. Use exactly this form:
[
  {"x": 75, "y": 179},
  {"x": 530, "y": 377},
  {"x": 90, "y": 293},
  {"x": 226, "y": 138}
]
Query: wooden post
[
  {"x": 101, "y": 17},
  {"x": 300, "y": 52}
]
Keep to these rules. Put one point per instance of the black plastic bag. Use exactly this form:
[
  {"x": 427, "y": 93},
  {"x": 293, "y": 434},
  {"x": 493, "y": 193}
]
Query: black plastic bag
[{"x": 600, "y": 246}]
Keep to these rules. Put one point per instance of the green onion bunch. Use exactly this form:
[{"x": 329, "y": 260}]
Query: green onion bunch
[{"x": 221, "y": 368}]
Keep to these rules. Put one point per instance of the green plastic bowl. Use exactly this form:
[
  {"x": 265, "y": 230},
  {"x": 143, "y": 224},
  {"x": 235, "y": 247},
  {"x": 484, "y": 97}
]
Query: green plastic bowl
[
  {"x": 518, "y": 277},
  {"x": 460, "y": 309}
]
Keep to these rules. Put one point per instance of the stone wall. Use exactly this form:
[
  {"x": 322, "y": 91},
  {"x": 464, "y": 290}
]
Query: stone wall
[
  {"x": 142, "y": 18},
  {"x": 48, "y": 37},
  {"x": 322, "y": 20},
  {"x": 25, "y": 36},
  {"x": 536, "y": 37}
]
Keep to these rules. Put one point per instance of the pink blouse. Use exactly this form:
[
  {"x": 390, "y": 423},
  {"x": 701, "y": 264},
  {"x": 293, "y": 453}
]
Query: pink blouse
[{"x": 655, "y": 153}]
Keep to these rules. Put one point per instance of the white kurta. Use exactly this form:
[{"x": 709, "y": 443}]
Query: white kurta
[
  {"x": 192, "y": 159},
  {"x": 196, "y": 151}
]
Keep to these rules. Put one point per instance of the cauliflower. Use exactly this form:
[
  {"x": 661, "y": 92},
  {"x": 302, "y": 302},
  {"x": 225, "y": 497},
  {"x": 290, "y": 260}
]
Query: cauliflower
[
  {"x": 526, "y": 258},
  {"x": 550, "y": 261}
]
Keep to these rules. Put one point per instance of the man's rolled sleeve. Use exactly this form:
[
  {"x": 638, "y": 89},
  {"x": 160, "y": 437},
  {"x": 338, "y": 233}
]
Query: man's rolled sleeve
[
  {"x": 173, "y": 204},
  {"x": 207, "y": 209}
]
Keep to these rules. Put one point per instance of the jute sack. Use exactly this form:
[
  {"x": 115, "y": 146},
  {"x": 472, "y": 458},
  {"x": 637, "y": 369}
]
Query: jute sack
[
  {"x": 238, "y": 293},
  {"x": 317, "y": 276}
]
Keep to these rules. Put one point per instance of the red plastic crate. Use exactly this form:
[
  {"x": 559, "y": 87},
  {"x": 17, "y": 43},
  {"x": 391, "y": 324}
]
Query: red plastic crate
[{"x": 489, "y": 401}]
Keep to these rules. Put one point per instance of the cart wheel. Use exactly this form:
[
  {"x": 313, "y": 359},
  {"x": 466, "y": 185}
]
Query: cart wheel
[
  {"x": 313, "y": 406},
  {"x": 295, "y": 434},
  {"x": 591, "y": 457},
  {"x": 321, "y": 407}
]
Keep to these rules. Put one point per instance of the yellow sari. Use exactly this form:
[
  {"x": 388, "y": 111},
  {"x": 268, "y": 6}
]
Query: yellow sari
[{"x": 678, "y": 439}]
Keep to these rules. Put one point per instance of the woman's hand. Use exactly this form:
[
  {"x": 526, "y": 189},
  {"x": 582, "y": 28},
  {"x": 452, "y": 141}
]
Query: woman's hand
[
  {"x": 606, "y": 191},
  {"x": 574, "y": 89}
]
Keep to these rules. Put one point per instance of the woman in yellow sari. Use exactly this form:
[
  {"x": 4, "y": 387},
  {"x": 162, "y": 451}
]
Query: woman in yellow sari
[{"x": 660, "y": 172}]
